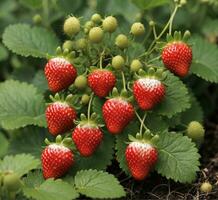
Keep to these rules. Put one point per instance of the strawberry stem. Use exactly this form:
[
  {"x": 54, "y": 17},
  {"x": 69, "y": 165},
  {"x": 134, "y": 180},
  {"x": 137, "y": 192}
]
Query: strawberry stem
[
  {"x": 172, "y": 18},
  {"x": 124, "y": 81},
  {"x": 141, "y": 121},
  {"x": 89, "y": 106},
  {"x": 101, "y": 59}
]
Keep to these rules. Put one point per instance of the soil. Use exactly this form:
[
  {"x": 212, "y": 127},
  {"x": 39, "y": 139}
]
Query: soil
[{"x": 157, "y": 188}]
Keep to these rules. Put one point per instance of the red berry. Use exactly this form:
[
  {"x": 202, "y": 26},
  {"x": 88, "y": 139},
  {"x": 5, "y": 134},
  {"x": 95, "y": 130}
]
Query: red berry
[
  {"x": 87, "y": 139},
  {"x": 177, "y": 57},
  {"x": 56, "y": 161},
  {"x": 101, "y": 81},
  {"x": 148, "y": 92},
  {"x": 60, "y": 117},
  {"x": 140, "y": 158},
  {"x": 117, "y": 114},
  {"x": 60, "y": 74}
]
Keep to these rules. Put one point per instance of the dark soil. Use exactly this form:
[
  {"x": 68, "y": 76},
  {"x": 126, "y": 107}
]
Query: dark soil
[{"x": 155, "y": 187}]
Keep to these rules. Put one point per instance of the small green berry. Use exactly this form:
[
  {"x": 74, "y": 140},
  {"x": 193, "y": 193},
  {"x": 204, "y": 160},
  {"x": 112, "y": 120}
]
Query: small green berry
[
  {"x": 81, "y": 43},
  {"x": 71, "y": 26},
  {"x": 118, "y": 62},
  {"x": 135, "y": 65},
  {"x": 96, "y": 35},
  {"x": 81, "y": 82},
  {"x": 122, "y": 41},
  {"x": 151, "y": 23},
  {"x": 85, "y": 99},
  {"x": 96, "y": 18},
  {"x": 68, "y": 44},
  {"x": 206, "y": 187},
  {"x": 137, "y": 29},
  {"x": 12, "y": 182},
  {"x": 37, "y": 19},
  {"x": 109, "y": 24},
  {"x": 196, "y": 132},
  {"x": 89, "y": 24}
]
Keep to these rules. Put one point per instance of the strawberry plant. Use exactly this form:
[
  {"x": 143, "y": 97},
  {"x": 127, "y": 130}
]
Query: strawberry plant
[{"x": 105, "y": 92}]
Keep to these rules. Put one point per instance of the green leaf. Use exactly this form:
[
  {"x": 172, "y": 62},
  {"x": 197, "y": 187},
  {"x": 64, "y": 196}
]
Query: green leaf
[
  {"x": 205, "y": 59},
  {"x": 148, "y": 4},
  {"x": 20, "y": 105},
  {"x": 26, "y": 41},
  {"x": 40, "y": 81},
  {"x": 121, "y": 144},
  {"x": 29, "y": 140},
  {"x": 194, "y": 113},
  {"x": 176, "y": 100},
  {"x": 178, "y": 157},
  {"x": 155, "y": 123},
  {"x": 3, "y": 145},
  {"x": 98, "y": 184},
  {"x": 67, "y": 7},
  {"x": 31, "y": 3},
  {"x": 33, "y": 179},
  {"x": 51, "y": 190},
  {"x": 3, "y": 53},
  {"x": 20, "y": 164},
  {"x": 100, "y": 159}
]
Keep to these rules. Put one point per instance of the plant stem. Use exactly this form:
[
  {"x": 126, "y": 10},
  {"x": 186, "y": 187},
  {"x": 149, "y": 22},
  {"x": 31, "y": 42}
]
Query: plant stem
[
  {"x": 169, "y": 24},
  {"x": 124, "y": 80},
  {"x": 140, "y": 120},
  {"x": 89, "y": 106},
  {"x": 101, "y": 59},
  {"x": 142, "y": 123},
  {"x": 46, "y": 12}
]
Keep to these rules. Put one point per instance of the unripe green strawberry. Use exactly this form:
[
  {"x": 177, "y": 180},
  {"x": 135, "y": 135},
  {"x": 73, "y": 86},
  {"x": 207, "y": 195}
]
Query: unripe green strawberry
[
  {"x": 71, "y": 26},
  {"x": 81, "y": 82},
  {"x": 109, "y": 24},
  {"x": 85, "y": 99},
  {"x": 96, "y": 18},
  {"x": 177, "y": 57},
  {"x": 81, "y": 43},
  {"x": 96, "y": 35},
  {"x": 122, "y": 41},
  {"x": 137, "y": 29},
  {"x": 37, "y": 19},
  {"x": 12, "y": 182},
  {"x": 196, "y": 132},
  {"x": 135, "y": 65},
  {"x": 140, "y": 158},
  {"x": 89, "y": 24},
  {"x": 206, "y": 187},
  {"x": 68, "y": 44},
  {"x": 118, "y": 62}
]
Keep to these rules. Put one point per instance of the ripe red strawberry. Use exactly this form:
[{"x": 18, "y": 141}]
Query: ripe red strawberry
[
  {"x": 140, "y": 158},
  {"x": 87, "y": 138},
  {"x": 60, "y": 74},
  {"x": 101, "y": 81},
  {"x": 177, "y": 57},
  {"x": 56, "y": 160},
  {"x": 60, "y": 117},
  {"x": 117, "y": 113},
  {"x": 148, "y": 92}
]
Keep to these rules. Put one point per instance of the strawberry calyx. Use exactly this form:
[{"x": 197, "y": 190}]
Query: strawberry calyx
[
  {"x": 178, "y": 37},
  {"x": 57, "y": 98},
  {"x": 65, "y": 142},
  {"x": 146, "y": 138},
  {"x": 151, "y": 73},
  {"x": 123, "y": 95},
  {"x": 91, "y": 122}
]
